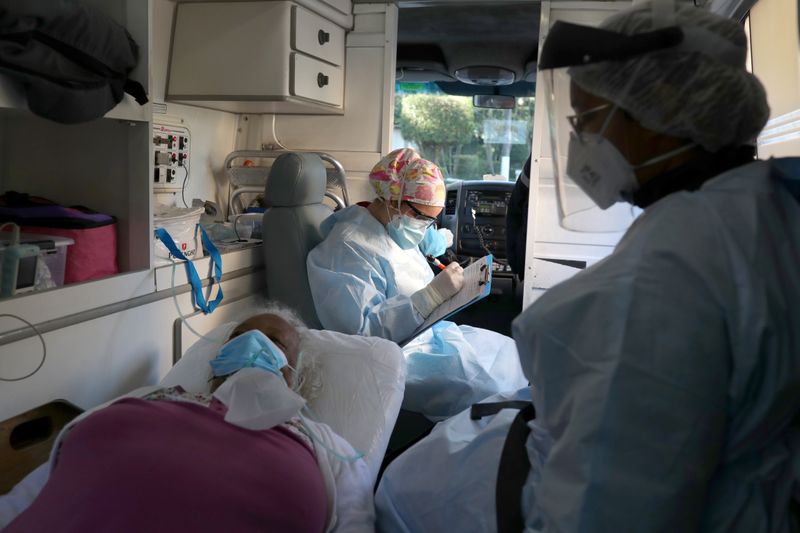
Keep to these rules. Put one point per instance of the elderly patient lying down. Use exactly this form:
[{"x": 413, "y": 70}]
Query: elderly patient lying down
[{"x": 240, "y": 459}]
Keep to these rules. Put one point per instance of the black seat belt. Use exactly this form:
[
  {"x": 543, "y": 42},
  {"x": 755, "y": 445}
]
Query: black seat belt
[
  {"x": 514, "y": 463},
  {"x": 794, "y": 504}
]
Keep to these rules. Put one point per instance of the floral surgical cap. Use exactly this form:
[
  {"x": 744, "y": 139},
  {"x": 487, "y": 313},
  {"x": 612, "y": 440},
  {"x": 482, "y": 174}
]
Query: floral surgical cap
[{"x": 404, "y": 175}]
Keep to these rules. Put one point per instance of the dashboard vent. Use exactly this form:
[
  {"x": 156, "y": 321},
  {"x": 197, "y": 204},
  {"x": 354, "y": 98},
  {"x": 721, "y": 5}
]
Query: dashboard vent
[{"x": 450, "y": 203}]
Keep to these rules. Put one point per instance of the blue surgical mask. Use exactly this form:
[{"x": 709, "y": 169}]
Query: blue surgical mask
[
  {"x": 407, "y": 232},
  {"x": 251, "y": 349}
]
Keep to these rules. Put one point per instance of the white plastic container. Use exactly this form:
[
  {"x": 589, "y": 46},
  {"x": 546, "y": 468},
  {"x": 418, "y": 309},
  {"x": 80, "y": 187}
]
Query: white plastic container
[
  {"x": 181, "y": 224},
  {"x": 52, "y": 250},
  {"x": 248, "y": 225},
  {"x": 55, "y": 258}
]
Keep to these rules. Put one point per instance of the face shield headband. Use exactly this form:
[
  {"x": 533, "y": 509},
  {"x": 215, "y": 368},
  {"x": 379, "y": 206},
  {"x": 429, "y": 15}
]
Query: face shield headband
[{"x": 574, "y": 45}]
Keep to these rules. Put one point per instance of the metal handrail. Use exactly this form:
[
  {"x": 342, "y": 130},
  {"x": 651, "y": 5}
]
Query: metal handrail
[
  {"x": 340, "y": 180},
  {"x": 232, "y": 210},
  {"x": 338, "y": 201}
]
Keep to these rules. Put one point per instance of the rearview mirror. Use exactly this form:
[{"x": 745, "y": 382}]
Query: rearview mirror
[{"x": 494, "y": 101}]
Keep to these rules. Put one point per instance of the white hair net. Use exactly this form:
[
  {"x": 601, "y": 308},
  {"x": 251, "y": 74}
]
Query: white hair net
[{"x": 699, "y": 90}]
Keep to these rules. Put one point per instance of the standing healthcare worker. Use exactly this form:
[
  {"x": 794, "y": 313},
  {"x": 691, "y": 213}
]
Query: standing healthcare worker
[
  {"x": 369, "y": 277},
  {"x": 668, "y": 375},
  {"x": 666, "y": 378}
]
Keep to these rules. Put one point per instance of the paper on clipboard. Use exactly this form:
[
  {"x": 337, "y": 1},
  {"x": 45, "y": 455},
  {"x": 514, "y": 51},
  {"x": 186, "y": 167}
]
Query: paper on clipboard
[{"x": 477, "y": 285}]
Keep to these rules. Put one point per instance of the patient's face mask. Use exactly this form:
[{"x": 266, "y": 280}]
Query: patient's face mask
[
  {"x": 405, "y": 231},
  {"x": 251, "y": 349}
]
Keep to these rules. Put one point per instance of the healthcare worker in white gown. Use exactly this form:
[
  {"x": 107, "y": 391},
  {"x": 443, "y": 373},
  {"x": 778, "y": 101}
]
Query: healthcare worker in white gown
[
  {"x": 666, "y": 378},
  {"x": 369, "y": 277}
]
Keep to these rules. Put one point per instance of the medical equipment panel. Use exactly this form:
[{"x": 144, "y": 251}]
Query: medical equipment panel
[{"x": 171, "y": 150}]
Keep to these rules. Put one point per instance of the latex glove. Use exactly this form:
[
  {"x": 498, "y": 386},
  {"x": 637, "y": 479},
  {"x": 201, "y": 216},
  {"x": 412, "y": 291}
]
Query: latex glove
[
  {"x": 445, "y": 285},
  {"x": 436, "y": 242}
]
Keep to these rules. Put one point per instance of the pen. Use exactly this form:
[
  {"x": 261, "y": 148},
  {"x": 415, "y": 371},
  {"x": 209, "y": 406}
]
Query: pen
[{"x": 436, "y": 262}]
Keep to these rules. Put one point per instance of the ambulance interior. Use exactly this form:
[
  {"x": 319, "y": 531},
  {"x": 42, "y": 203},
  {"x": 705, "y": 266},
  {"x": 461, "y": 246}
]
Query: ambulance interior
[{"x": 233, "y": 85}]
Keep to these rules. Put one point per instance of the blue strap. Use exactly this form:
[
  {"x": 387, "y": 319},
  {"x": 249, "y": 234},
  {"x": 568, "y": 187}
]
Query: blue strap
[{"x": 191, "y": 272}]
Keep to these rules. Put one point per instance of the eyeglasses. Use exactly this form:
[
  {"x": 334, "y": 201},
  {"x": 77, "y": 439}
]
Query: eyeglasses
[
  {"x": 422, "y": 216},
  {"x": 578, "y": 121}
]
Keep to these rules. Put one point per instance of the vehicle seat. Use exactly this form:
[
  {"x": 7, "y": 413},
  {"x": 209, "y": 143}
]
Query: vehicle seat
[{"x": 291, "y": 228}]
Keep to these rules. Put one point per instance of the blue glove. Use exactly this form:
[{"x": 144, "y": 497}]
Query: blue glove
[{"x": 436, "y": 242}]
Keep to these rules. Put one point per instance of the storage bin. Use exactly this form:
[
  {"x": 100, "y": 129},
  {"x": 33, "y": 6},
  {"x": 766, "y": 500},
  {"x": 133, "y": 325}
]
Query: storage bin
[
  {"x": 53, "y": 251},
  {"x": 93, "y": 253},
  {"x": 181, "y": 224}
]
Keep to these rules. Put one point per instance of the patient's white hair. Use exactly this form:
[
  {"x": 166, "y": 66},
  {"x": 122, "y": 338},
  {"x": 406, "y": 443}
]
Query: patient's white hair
[
  {"x": 308, "y": 380},
  {"x": 274, "y": 307}
]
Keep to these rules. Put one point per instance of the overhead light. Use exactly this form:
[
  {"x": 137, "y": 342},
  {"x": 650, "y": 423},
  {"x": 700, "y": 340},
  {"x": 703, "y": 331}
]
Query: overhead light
[{"x": 485, "y": 76}]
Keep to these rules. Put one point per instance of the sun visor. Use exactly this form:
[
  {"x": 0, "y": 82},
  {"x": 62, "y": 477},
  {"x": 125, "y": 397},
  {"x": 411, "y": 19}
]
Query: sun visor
[{"x": 570, "y": 44}]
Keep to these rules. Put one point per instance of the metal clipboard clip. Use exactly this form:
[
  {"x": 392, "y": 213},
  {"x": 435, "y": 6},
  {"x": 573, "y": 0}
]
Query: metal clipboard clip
[{"x": 486, "y": 273}]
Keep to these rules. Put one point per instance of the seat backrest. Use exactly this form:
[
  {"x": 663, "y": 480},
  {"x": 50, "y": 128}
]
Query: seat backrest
[{"x": 291, "y": 228}]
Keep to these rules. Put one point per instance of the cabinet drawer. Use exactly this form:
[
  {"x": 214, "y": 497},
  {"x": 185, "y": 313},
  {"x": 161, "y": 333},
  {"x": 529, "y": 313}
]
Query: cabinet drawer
[
  {"x": 315, "y": 36},
  {"x": 316, "y": 80}
]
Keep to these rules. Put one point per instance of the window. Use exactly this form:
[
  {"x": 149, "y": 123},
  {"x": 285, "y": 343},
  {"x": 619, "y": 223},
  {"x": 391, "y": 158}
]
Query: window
[
  {"x": 466, "y": 142},
  {"x": 775, "y": 54}
]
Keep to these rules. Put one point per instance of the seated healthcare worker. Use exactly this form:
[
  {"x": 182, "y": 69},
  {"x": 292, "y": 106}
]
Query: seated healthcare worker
[
  {"x": 242, "y": 459},
  {"x": 666, "y": 378},
  {"x": 369, "y": 277}
]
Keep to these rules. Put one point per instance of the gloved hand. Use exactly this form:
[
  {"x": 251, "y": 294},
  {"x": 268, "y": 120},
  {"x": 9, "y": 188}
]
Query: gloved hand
[
  {"x": 446, "y": 284},
  {"x": 436, "y": 242}
]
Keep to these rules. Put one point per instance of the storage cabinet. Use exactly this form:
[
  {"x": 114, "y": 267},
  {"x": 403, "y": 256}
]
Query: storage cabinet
[
  {"x": 256, "y": 57},
  {"x": 340, "y": 5},
  {"x": 102, "y": 164}
]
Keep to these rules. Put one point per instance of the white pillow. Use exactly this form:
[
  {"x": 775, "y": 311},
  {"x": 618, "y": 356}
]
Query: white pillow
[{"x": 362, "y": 383}]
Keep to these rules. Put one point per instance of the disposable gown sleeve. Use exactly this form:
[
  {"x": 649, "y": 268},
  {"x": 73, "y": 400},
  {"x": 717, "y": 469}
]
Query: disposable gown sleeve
[
  {"x": 349, "y": 292},
  {"x": 629, "y": 375}
]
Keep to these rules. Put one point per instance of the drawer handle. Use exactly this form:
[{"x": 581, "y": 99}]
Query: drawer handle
[
  {"x": 322, "y": 80},
  {"x": 323, "y": 37}
]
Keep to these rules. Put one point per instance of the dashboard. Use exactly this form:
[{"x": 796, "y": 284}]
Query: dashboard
[{"x": 475, "y": 211}]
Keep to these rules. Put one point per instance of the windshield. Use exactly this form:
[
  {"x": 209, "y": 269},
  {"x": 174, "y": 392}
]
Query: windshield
[{"x": 468, "y": 143}]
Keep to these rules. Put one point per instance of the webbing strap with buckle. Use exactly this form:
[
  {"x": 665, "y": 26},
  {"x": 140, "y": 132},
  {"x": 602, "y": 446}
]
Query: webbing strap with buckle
[
  {"x": 514, "y": 466},
  {"x": 512, "y": 473},
  {"x": 480, "y": 410},
  {"x": 197, "y": 286}
]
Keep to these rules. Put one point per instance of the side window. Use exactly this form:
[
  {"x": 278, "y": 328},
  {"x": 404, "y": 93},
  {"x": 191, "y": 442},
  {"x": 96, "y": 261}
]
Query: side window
[{"x": 775, "y": 59}]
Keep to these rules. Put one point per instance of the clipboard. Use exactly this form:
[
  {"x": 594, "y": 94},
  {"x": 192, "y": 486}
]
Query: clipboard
[{"x": 477, "y": 285}]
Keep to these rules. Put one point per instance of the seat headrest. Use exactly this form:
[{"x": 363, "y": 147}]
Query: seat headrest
[{"x": 295, "y": 179}]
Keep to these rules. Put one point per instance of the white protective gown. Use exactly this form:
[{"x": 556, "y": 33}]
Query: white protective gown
[
  {"x": 668, "y": 375},
  {"x": 446, "y": 482},
  {"x": 362, "y": 282}
]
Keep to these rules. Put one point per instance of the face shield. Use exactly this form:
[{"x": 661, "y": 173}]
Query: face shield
[{"x": 590, "y": 175}]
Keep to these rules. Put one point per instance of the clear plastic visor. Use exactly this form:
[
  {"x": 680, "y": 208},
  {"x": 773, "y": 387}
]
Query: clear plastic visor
[{"x": 577, "y": 212}]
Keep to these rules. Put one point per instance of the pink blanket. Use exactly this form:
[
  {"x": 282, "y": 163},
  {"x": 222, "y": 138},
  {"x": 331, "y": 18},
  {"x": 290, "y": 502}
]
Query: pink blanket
[{"x": 173, "y": 466}]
